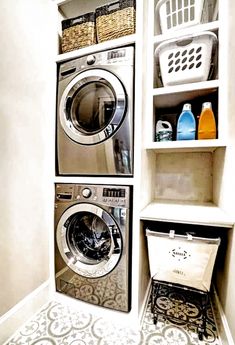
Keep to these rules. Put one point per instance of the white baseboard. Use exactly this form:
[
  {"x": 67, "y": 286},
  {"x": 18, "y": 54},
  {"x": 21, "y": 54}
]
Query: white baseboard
[
  {"x": 145, "y": 304},
  {"x": 23, "y": 311},
  {"x": 223, "y": 330}
]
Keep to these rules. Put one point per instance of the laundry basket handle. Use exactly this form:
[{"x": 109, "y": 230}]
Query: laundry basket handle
[
  {"x": 158, "y": 6},
  {"x": 184, "y": 42}
]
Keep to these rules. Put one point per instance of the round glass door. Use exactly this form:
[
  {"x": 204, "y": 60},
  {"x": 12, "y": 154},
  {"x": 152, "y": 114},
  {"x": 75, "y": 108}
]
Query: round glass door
[
  {"x": 89, "y": 240},
  {"x": 92, "y": 106}
]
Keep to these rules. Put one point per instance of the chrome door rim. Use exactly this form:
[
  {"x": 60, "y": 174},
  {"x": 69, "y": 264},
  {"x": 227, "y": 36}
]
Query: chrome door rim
[
  {"x": 71, "y": 258},
  {"x": 80, "y": 80}
]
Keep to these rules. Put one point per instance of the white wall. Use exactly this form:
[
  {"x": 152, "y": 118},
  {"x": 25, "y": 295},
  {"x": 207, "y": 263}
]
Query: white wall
[
  {"x": 225, "y": 280},
  {"x": 27, "y": 73}
]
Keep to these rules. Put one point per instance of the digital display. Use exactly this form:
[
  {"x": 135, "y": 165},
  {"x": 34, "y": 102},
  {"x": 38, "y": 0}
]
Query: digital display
[
  {"x": 116, "y": 54},
  {"x": 64, "y": 196},
  {"x": 113, "y": 192}
]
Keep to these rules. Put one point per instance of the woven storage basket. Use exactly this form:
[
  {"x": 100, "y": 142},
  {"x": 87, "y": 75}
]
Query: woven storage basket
[
  {"x": 115, "y": 20},
  {"x": 78, "y": 32}
]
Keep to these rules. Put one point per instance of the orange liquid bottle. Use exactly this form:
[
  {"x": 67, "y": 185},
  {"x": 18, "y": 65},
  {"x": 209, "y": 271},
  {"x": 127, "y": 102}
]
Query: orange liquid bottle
[{"x": 207, "y": 124}]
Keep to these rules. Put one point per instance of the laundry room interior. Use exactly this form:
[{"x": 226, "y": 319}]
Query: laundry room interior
[{"x": 112, "y": 167}]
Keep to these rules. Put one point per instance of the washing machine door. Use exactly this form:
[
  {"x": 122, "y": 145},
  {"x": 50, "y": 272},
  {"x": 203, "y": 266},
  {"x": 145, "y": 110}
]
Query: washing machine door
[
  {"x": 92, "y": 106},
  {"x": 89, "y": 240}
]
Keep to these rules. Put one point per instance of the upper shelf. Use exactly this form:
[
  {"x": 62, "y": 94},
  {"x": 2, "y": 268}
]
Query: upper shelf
[
  {"x": 212, "y": 26},
  {"x": 179, "y": 212}
]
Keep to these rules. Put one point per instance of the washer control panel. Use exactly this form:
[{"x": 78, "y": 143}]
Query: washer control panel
[
  {"x": 119, "y": 56},
  {"x": 113, "y": 196}
]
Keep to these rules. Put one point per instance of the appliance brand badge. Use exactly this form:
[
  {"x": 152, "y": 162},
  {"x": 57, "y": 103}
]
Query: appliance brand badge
[{"x": 179, "y": 254}]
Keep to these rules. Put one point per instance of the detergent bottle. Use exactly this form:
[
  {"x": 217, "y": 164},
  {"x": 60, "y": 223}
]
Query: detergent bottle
[
  {"x": 163, "y": 131},
  {"x": 186, "y": 124},
  {"x": 207, "y": 124}
]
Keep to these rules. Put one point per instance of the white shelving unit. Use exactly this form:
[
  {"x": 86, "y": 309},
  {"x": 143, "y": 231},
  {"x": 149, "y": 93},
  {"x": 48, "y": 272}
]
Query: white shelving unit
[
  {"x": 194, "y": 168},
  {"x": 174, "y": 158},
  {"x": 204, "y": 168}
]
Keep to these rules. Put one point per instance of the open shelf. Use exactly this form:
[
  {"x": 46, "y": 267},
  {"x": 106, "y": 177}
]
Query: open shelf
[
  {"x": 95, "y": 180},
  {"x": 118, "y": 42},
  {"x": 61, "y": 2},
  {"x": 171, "y": 96},
  {"x": 212, "y": 26},
  {"x": 186, "y": 145},
  {"x": 189, "y": 213},
  {"x": 199, "y": 87}
]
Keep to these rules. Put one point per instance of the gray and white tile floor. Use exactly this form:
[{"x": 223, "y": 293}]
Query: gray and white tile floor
[{"x": 57, "y": 324}]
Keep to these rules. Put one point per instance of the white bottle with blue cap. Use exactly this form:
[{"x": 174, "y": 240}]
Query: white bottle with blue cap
[{"x": 186, "y": 125}]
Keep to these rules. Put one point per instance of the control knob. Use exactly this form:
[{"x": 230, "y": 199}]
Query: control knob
[
  {"x": 86, "y": 192},
  {"x": 90, "y": 59}
]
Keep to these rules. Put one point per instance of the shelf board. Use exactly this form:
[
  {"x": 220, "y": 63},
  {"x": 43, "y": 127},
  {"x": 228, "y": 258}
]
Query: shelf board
[
  {"x": 119, "y": 180},
  {"x": 165, "y": 97},
  {"x": 212, "y": 26},
  {"x": 186, "y": 145},
  {"x": 118, "y": 42},
  {"x": 189, "y": 213},
  {"x": 61, "y": 2},
  {"x": 203, "y": 85}
]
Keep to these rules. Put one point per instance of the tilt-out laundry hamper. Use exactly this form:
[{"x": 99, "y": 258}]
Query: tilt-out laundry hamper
[{"x": 181, "y": 268}]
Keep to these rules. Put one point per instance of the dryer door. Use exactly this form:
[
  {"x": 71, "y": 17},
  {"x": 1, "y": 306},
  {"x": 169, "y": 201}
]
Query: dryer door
[
  {"x": 92, "y": 106},
  {"x": 89, "y": 240}
]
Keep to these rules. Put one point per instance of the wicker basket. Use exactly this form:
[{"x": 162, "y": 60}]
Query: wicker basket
[
  {"x": 115, "y": 20},
  {"x": 78, "y": 32}
]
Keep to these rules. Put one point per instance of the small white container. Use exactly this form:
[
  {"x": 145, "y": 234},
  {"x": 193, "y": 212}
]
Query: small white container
[
  {"x": 179, "y": 14},
  {"x": 186, "y": 59},
  {"x": 163, "y": 131}
]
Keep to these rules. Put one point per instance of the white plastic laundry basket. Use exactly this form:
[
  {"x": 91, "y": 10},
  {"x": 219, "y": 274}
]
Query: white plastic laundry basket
[
  {"x": 178, "y": 14},
  {"x": 186, "y": 59},
  {"x": 180, "y": 259}
]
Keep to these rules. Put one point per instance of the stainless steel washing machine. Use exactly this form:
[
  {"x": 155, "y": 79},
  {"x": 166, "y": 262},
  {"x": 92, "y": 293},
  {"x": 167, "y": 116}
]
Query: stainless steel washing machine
[
  {"x": 95, "y": 114},
  {"x": 92, "y": 243}
]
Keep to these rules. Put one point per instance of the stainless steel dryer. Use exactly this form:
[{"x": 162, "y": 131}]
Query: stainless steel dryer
[
  {"x": 92, "y": 244},
  {"x": 95, "y": 114}
]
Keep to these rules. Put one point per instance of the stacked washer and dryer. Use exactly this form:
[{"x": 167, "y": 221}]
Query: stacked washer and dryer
[{"x": 94, "y": 137}]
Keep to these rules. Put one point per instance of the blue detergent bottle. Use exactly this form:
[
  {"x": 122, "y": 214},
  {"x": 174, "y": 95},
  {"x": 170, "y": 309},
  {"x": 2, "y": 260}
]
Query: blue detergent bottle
[{"x": 186, "y": 125}]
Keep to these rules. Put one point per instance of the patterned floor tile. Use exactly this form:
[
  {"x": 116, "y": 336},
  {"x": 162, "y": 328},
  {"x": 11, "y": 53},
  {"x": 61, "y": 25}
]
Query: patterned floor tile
[{"x": 57, "y": 324}]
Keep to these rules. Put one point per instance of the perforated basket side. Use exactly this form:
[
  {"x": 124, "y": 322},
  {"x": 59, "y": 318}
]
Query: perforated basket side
[
  {"x": 178, "y": 14},
  {"x": 186, "y": 60}
]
